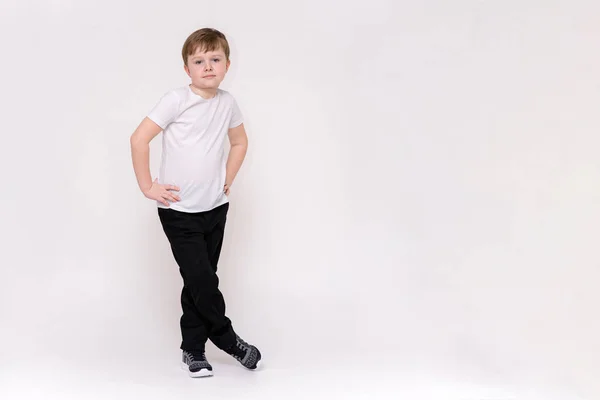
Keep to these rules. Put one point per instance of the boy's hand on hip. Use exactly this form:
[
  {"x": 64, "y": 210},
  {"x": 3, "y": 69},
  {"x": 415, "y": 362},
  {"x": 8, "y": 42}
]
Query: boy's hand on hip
[
  {"x": 162, "y": 193},
  {"x": 226, "y": 189}
]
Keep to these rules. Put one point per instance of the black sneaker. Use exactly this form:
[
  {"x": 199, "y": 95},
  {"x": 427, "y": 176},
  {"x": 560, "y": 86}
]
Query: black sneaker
[
  {"x": 196, "y": 364},
  {"x": 247, "y": 354}
]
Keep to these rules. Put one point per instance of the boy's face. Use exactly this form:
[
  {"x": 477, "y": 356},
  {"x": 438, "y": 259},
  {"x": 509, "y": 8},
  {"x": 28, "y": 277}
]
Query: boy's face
[{"x": 207, "y": 69}]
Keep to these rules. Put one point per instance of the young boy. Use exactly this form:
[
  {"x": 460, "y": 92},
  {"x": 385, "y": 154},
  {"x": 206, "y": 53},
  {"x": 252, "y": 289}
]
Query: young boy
[{"x": 192, "y": 191}]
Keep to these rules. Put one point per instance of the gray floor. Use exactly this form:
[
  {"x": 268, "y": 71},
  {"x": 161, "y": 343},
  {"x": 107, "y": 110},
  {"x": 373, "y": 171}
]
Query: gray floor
[{"x": 160, "y": 377}]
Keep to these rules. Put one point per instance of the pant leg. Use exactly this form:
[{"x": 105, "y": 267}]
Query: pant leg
[
  {"x": 182, "y": 233},
  {"x": 187, "y": 234},
  {"x": 193, "y": 330},
  {"x": 224, "y": 337}
]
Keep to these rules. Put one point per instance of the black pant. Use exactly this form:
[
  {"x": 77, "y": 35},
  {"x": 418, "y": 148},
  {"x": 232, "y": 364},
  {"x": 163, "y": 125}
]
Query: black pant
[{"x": 196, "y": 240}]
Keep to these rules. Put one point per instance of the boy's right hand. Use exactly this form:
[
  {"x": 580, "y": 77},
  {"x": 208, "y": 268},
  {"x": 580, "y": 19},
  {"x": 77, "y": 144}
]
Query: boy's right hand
[{"x": 162, "y": 193}]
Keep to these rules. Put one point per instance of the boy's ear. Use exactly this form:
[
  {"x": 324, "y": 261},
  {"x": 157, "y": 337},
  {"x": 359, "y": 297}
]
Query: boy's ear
[
  {"x": 187, "y": 70},
  {"x": 228, "y": 64}
]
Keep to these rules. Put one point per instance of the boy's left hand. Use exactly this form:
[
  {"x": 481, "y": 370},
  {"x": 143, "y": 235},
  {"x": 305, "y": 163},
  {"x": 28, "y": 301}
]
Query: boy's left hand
[{"x": 226, "y": 189}]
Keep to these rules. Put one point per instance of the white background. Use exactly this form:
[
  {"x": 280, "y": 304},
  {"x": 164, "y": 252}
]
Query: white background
[{"x": 417, "y": 216}]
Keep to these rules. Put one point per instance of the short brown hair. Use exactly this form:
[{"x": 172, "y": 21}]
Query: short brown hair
[{"x": 207, "y": 39}]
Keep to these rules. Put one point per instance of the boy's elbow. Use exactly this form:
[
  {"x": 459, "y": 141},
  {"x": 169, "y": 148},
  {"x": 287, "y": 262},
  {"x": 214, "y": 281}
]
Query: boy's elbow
[
  {"x": 136, "y": 140},
  {"x": 243, "y": 146},
  {"x": 241, "y": 142}
]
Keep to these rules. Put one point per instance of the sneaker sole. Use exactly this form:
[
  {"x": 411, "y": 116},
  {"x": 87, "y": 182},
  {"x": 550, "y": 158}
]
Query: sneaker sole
[
  {"x": 203, "y": 373},
  {"x": 258, "y": 364}
]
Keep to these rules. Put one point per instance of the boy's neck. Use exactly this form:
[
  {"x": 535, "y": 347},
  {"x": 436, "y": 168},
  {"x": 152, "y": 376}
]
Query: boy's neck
[{"x": 204, "y": 93}]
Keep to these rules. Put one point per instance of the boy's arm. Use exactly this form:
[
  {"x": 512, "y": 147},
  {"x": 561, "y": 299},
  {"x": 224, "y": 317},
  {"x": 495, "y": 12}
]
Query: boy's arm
[
  {"x": 239, "y": 145},
  {"x": 140, "y": 155}
]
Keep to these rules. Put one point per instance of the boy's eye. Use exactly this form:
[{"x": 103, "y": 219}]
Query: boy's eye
[
  {"x": 198, "y": 62},
  {"x": 216, "y": 60}
]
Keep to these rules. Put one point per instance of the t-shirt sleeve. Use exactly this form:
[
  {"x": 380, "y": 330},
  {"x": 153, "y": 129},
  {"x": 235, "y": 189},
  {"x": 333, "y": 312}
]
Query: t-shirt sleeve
[
  {"x": 165, "y": 111},
  {"x": 236, "y": 116}
]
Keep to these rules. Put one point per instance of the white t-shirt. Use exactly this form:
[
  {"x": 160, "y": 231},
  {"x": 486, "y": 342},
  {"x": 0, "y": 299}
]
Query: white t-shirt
[{"x": 193, "y": 156}]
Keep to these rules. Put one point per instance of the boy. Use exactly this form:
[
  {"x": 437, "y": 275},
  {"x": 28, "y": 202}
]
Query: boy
[{"x": 192, "y": 192}]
